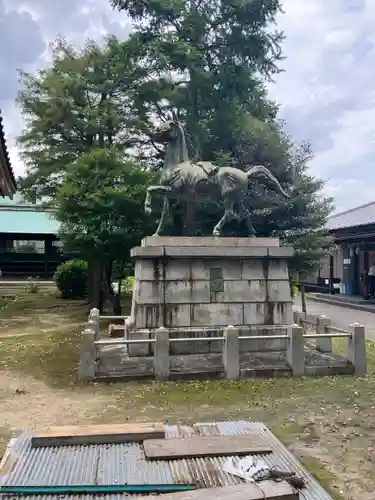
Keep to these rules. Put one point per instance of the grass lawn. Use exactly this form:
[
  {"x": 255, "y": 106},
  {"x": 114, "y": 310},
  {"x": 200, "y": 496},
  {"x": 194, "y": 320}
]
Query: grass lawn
[{"x": 328, "y": 422}]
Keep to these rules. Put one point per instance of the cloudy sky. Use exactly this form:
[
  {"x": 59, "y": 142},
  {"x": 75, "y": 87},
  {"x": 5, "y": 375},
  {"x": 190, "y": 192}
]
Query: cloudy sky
[{"x": 327, "y": 92}]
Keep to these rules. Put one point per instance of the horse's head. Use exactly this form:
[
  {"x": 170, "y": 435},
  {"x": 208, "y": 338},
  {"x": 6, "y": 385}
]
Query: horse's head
[
  {"x": 166, "y": 133},
  {"x": 169, "y": 131}
]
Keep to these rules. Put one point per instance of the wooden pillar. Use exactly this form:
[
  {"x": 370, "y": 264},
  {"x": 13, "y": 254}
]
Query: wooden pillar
[
  {"x": 331, "y": 274},
  {"x": 346, "y": 266},
  {"x": 366, "y": 265},
  {"x": 48, "y": 250},
  {"x": 356, "y": 273},
  {"x": 349, "y": 271},
  {"x": 366, "y": 258}
]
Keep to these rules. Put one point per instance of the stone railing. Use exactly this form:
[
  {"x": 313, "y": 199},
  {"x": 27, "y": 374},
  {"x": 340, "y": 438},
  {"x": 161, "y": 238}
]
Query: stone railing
[
  {"x": 90, "y": 335},
  {"x": 323, "y": 333},
  {"x": 295, "y": 336}
]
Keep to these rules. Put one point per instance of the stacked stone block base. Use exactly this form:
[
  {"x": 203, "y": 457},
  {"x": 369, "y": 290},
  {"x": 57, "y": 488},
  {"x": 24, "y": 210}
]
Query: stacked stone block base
[{"x": 199, "y": 285}]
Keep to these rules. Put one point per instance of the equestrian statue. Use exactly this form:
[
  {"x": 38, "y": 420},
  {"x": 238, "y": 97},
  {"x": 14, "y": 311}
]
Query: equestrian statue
[{"x": 183, "y": 179}]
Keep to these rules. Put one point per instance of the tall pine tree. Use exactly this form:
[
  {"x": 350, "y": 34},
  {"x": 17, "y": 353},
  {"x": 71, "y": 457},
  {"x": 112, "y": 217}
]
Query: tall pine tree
[
  {"x": 211, "y": 59},
  {"x": 203, "y": 52},
  {"x": 80, "y": 124},
  {"x": 82, "y": 101}
]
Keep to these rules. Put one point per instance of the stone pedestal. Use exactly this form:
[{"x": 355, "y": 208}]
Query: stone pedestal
[{"x": 204, "y": 283}]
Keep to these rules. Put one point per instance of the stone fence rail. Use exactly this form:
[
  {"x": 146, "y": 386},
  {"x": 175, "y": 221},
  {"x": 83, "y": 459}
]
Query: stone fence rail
[
  {"x": 325, "y": 332},
  {"x": 319, "y": 330}
]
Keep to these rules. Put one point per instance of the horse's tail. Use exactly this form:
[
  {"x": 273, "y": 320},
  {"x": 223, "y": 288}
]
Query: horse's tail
[{"x": 262, "y": 173}]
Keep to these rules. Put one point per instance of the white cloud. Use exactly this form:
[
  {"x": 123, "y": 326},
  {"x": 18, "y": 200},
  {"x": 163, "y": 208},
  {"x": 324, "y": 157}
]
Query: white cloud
[
  {"x": 17, "y": 164},
  {"x": 327, "y": 93},
  {"x": 353, "y": 139},
  {"x": 50, "y": 19}
]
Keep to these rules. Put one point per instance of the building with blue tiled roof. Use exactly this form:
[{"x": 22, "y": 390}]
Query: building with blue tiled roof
[{"x": 28, "y": 239}]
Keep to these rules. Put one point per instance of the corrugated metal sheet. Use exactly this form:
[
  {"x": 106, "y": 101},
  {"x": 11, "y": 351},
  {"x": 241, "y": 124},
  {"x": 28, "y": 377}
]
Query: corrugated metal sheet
[
  {"x": 126, "y": 463},
  {"x": 359, "y": 216}
]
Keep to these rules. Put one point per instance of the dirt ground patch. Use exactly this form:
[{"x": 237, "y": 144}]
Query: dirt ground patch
[{"x": 328, "y": 422}]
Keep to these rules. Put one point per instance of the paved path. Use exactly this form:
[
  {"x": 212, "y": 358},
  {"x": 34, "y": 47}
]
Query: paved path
[{"x": 340, "y": 316}]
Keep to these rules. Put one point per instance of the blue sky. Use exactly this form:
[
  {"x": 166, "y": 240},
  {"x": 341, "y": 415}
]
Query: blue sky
[{"x": 326, "y": 93}]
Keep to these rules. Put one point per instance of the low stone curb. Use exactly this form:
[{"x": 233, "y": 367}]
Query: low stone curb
[{"x": 348, "y": 305}]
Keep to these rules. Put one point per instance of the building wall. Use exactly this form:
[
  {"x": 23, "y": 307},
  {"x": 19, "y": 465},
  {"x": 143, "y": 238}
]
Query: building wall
[
  {"x": 324, "y": 269},
  {"x": 338, "y": 263},
  {"x": 371, "y": 258},
  {"x": 354, "y": 271}
]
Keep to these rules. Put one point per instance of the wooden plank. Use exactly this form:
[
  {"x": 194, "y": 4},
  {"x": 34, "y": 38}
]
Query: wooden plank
[
  {"x": 8, "y": 461},
  {"x": 250, "y": 491},
  {"x": 170, "y": 449},
  {"x": 98, "y": 434}
]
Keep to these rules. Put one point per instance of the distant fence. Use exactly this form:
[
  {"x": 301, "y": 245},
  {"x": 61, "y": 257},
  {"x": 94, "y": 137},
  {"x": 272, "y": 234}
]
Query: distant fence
[
  {"x": 325, "y": 332},
  {"x": 295, "y": 336}
]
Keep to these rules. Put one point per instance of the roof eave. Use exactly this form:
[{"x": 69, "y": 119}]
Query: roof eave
[
  {"x": 8, "y": 185},
  {"x": 354, "y": 227}
]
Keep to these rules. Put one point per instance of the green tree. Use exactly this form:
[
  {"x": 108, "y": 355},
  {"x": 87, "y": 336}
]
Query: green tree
[
  {"x": 100, "y": 206},
  {"x": 83, "y": 103},
  {"x": 210, "y": 60},
  {"x": 83, "y": 100},
  {"x": 203, "y": 52},
  {"x": 299, "y": 222},
  {"x": 206, "y": 58}
]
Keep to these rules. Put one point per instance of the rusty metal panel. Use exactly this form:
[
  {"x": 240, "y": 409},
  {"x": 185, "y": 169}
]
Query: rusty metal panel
[{"x": 126, "y": 463}]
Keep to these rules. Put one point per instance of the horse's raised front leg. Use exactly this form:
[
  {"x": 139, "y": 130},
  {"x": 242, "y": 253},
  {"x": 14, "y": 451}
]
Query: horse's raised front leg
[
  {"x": 228, "y": 216},
  {"x": 161, "y": 190},
  {"x": 163, "y": 217}
]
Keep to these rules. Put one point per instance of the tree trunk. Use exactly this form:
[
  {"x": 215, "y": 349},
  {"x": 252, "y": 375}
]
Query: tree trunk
[
  {"x": 90, "y": 281},
  {"x": 190, "y": 219},
  {"x": 113, "y": 298},
  {"x": 194, "y": 130},
  {"x": 194, "y": 96},
  {"x": 95, "y": 283},
  {"x": 117, "y": 310}
]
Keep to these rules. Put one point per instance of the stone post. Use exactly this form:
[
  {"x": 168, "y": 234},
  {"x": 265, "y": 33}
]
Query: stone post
[
  {"x": 295, "y": 353},
  {"x": 296, "y": 316},
  {"x": 357, "y": 349},
  {"x": 231, "y": 353},
  {"x": 324, "y": 344},
  {"x": 94, "y": 326},
  {"x": 94, "y": 316},
  {"x": 161, "y": 354},
  {"x": 128, "y": 328},
  {"x": 126, "y": 332},
  {"x": 87, "y": 361}
]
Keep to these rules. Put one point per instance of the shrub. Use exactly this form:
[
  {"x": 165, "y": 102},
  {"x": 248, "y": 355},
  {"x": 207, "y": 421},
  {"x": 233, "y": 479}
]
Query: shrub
[
  {"x": 294, "y": 285},
  {"x": 128, "y": 285},
  {"x": 71, "y": 279}
]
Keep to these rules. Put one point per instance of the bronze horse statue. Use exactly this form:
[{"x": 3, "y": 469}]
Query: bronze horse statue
[{"x": 182, "y": 179}]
